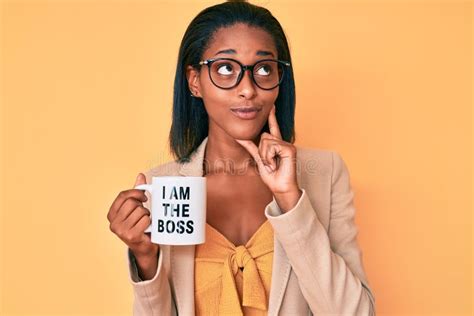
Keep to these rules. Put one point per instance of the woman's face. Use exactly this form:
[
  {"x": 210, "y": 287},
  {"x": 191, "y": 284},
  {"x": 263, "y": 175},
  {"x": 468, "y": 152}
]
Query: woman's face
[{"x": 247, "y": 45}]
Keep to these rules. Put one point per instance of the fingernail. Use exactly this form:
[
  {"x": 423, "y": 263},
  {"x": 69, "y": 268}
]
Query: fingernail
[{"x": 269, "y": 169}]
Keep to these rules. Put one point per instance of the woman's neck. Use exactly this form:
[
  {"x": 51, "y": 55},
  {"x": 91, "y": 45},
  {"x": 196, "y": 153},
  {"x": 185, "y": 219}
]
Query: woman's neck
[{"x": 224, "y": 155}]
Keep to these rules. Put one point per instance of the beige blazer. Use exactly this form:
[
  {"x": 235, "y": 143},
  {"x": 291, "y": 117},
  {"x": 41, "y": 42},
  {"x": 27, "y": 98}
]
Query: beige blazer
[{"x": 317, "y": 263}]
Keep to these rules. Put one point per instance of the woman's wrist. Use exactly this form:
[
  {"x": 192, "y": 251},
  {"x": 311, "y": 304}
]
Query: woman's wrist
[
  {"x": 288, "y": 200},
  {"x": 147, "y": 265}
]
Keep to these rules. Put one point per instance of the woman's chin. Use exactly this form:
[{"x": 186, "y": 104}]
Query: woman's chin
[{"x": 246, "y": 136}]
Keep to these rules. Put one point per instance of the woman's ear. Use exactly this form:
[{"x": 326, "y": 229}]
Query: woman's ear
[{"x": 192, "y": 75}]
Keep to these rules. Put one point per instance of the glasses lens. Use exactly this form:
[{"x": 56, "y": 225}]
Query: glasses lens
[
  {"x": 268, "y": 74},
  {"x": 224, "y": 73}
]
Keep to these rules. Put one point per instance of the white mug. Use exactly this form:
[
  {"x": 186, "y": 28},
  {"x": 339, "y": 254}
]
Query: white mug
[{"x": 178, "y": 210}]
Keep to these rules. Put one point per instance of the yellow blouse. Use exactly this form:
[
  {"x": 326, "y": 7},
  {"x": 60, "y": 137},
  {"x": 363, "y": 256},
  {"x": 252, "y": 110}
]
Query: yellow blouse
[{"x": 232, "y": 280}]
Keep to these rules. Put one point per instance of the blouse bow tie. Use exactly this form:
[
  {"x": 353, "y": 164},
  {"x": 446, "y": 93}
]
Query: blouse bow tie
[
  {"x": 253, "y": 291},
  {"x": 242, "y": 281}
]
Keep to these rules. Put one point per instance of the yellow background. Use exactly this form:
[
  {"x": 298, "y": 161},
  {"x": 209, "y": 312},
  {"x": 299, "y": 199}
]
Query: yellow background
[{"x": 86, "y": 105}]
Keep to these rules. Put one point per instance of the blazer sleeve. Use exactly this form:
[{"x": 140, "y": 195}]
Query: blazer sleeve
[
  {"x": 328, "y": 265},
  {"x": 151, "y": 297}
]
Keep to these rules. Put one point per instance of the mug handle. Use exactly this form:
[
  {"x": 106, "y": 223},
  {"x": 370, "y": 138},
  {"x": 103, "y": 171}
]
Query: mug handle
[{"x": 146, "y": 187}]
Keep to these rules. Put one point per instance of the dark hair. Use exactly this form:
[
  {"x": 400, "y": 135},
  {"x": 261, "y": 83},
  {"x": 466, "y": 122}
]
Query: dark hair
[{"x": 190, "y": 120}]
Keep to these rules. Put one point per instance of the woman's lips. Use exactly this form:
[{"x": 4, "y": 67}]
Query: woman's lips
[{"x": 246, "y": 114}]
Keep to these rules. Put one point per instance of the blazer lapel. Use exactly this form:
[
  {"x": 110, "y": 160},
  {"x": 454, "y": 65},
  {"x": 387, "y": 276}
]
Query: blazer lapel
[
  {"x": 182, "y": 268},
  {"x": 182, "y": 257},
  {"x": 281, "y": 269},
  {"x": 194, "y": 167}
]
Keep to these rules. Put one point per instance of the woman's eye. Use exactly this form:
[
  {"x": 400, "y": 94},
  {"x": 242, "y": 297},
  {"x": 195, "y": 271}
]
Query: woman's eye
[
  {"x": 264, "y": 70},
  {"x": 224, "y": 69}
]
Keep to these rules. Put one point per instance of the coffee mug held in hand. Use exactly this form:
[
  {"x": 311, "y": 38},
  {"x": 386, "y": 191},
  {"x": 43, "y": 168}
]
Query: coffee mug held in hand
[{"x": 178, "y": 210}]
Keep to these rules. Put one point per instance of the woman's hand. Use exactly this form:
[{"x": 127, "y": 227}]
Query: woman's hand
[
  {"x": 128, "y": 220},
  {"x": 276, "y": 161}
]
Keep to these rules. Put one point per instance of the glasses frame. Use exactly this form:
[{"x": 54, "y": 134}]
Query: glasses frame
[{"x": 243, "y": 68}]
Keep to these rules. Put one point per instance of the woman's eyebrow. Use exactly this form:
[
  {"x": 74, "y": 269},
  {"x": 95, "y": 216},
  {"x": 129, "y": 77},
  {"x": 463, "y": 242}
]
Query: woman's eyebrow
[{"x": 232, "y": 51}]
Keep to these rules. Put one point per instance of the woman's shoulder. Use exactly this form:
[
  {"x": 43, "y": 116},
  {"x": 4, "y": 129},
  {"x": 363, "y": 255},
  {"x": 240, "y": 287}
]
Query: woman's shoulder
[
  {"x": 314, "y": 154},
  {"x": 170, "y": 168},
  {"x": 318, "y": 160},
  {"x": 307, "y": 152}
]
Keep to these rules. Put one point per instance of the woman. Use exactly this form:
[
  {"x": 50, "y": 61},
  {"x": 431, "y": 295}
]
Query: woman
[{"x": 280, "y": 234}]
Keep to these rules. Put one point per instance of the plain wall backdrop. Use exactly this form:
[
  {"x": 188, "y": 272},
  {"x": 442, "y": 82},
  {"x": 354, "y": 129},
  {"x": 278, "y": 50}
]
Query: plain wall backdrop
[{"x": 86, "y": 105}]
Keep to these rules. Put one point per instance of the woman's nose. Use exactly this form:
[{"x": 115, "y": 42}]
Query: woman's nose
[{"x": 246, "y": 86}]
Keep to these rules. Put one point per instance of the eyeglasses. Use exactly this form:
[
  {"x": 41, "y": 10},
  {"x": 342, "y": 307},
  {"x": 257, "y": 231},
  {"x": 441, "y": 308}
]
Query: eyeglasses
[{"x": 226, "y": 73}]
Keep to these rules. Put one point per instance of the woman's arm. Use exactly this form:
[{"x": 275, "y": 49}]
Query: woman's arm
[
  {"x": 328, "y": 264},
  {"x": 153, "y": 295}
]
